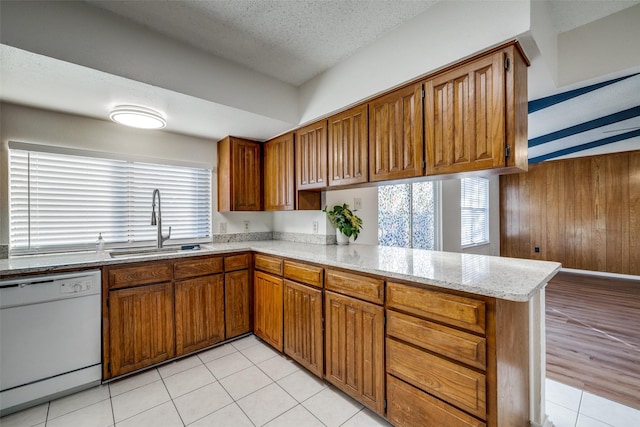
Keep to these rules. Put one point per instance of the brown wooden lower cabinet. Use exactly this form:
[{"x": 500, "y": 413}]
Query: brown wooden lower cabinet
[
  {"x": 410, "y": 407},
  {"x": 354, "y": 348},
  {"x": 238, "y": 298},
  {"x": 141, "y": 327},
  {"x": 303, "y": 326},
  {"x": 451, "y": 382},
  {"x": 199, "y": 307},
  {"x": 446, "y": 358},
  {"x": 268, "y": 316}
]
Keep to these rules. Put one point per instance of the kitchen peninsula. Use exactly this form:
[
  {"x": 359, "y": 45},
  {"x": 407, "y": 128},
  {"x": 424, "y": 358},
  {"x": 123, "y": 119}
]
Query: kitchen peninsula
[{"x": 449, "y": 337}]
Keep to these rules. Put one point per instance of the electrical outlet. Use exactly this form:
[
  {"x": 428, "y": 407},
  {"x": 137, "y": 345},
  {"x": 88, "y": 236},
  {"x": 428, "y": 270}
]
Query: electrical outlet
[
  {"x": 246, "y": 226},
  {"x": 357, "y": 203},
  {"x": 537, "y": 249},
  {"x": 223, "y": 227},
  {"x": 315, "y": 227}
]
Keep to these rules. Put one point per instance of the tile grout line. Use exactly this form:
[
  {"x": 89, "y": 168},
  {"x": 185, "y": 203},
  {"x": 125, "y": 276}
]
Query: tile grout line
[
  {"x": 273, "y": 381},
  {"x": 146, "y": 410},
  {"x": 579, "y": 407},
  {"x": 353, "y": 416},
  {"x": 46, "y": 418},
  {"x": 235, "y": 402},
  {"x": 171, "y": 397},
  {"x": 113, "y": 413}
]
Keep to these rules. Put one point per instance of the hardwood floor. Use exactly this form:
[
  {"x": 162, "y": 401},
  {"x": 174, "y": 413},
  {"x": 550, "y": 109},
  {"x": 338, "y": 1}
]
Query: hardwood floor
[{"x": 593, "y": 335}]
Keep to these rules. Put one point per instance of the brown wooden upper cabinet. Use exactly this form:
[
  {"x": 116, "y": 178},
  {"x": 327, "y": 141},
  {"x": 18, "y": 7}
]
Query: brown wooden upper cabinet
[
  {"x": 279, "y": 184},
  {"x": 476, "y": 115},
  {"x": 239, "y": 175},
  {"x": 395, "y": 135},
  {"x": 348, "y": 147},
  {"x": 311, "y": 156}
]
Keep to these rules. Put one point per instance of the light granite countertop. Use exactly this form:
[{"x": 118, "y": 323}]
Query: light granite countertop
[{"x": 505, "y": 278}]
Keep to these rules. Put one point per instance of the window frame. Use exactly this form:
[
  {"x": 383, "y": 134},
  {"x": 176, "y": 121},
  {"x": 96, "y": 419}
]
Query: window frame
[{"x": 185, "y": 185}]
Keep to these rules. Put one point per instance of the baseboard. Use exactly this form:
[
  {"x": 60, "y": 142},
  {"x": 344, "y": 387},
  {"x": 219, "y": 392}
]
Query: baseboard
[{"x": 600, "y": 273}]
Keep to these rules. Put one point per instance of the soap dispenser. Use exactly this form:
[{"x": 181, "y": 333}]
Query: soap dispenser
[{"x": 100, "y": 244}]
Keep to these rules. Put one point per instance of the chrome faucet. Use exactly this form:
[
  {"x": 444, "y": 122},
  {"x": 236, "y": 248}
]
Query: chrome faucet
[{"x": 161, "y": 237}]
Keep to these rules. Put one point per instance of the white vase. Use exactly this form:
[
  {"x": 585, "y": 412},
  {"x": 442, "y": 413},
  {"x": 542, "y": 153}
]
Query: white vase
[{"x": 341, "y": 239}]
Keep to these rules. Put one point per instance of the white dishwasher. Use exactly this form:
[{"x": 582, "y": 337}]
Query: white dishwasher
[{"x": 50, "y": 337}]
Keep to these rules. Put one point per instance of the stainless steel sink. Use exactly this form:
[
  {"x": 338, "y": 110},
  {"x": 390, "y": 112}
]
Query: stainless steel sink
[{"x": 120, "y": 253}]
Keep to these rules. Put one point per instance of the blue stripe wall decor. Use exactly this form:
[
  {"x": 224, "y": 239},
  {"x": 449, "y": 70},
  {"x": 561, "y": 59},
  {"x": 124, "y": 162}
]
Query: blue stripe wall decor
[{"x": 573, "y": 122}]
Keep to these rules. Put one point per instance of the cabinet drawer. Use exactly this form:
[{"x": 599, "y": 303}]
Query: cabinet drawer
[
  {"x": 268, "y": 263},
  {"x": 452, "y": 309},
  {"x": 307, "y": 274},
  {"x": 354, "y": 285},
  {"x": 197, "y": 267},
  {"x": 452, "y": 343},
  {"x": 148, "y": 273},
  {"x": 449, "y": 381},
  {"x": 236, "y": 262},
  {"x": 408, "y": 406}
]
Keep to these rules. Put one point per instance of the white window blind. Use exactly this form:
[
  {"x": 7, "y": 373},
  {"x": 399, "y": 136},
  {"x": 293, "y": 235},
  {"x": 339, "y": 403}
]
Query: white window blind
[
  {"x": 61, "y": 202},
  {"x": 474, "y": 211}
]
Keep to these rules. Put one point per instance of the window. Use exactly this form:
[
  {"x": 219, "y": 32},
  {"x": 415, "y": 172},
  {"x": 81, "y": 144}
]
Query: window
[
  {"x": 474, "y": 211},
  {"x": 61, "y": 201},
  {"x": 407, "y": 215}
]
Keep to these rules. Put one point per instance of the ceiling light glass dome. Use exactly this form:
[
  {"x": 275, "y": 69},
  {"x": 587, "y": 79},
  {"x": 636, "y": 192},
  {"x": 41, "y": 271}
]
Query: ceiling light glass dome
[{"x": 139, "y": 117}]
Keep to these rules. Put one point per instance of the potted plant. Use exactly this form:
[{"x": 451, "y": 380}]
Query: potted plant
[{"x": 345, "y": 222}]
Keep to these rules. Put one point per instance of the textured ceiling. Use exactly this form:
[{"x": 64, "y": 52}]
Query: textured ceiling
[{"x": 290, "y": 40}]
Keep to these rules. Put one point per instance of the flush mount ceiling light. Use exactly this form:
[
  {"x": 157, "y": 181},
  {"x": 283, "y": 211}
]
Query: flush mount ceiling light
[{"x": 138, "y": 117}]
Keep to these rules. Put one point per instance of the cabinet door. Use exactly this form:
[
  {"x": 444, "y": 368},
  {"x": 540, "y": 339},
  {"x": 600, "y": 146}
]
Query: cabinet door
[
  {"x": 268, "y": 308},
  {"x": 239, "y": 175},
  {"x": 279, "y": 184},
  {"x": 303, "y": 325},
  {"x": 354, "y": 348},
  {"x": 141, "y": 327},
  {"x": 199, "y": 313},
  {"x": 311, "y": 156},
  {"x": 348, "y": 147},
  {"x": 237, "y": 295},
  {"x": 465, "y": 117},
  {"x": 395, "y": 135}
]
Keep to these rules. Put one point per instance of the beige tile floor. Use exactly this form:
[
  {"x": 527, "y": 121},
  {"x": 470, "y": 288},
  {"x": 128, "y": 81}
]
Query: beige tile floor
[
  {"x": 246, "y": 383},
  {"x": 571, "y": 407}
]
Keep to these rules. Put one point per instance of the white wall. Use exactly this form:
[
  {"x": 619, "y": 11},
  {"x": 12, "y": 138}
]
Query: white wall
[
  {"x": 79, "y": 33},
  {"x": 24, "y": 124},
  {"x": 546, "y": 39},
  {"x": 368, "y": 213},
  {"x": 445, "y": 33},
  {"x": 301, "y": 222},
  {"x": 599, "y": 48}
]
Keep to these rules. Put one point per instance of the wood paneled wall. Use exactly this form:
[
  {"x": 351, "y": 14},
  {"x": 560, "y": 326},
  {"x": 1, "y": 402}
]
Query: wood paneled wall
[{"x": 582, "y": 212}]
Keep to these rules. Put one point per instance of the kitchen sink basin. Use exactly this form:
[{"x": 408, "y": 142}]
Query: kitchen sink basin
[{"x": 121, "y": 253}]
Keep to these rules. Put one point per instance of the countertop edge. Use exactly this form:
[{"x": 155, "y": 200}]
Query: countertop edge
[{"x": 88, "y": 260}]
